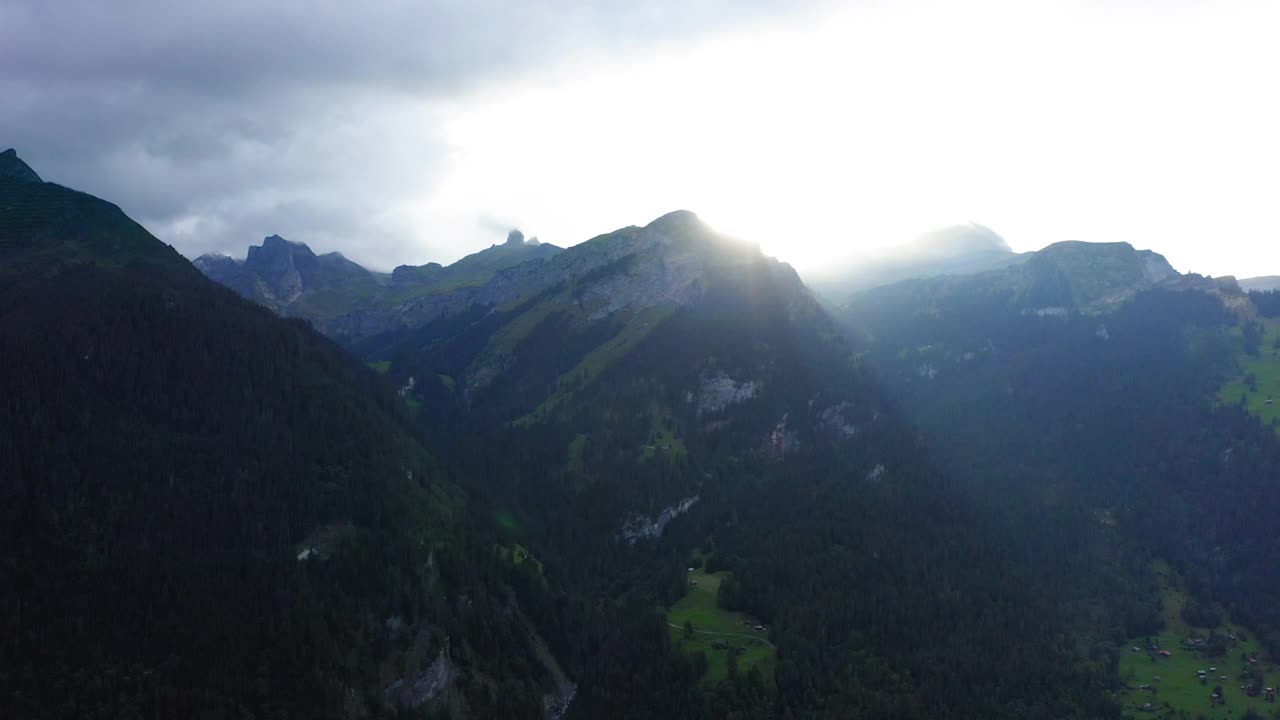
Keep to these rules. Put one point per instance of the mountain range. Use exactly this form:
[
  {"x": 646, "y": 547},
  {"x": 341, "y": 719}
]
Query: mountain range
[
  {"x": 652, "y": 474},
  {"x": 954, "y": 250},
  {"x": 348, "y": 301},
  {"x": 1264, "y": 284}
]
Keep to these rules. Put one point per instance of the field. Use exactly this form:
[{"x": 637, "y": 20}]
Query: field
[
  {"x": 1173, "y": 686},
  {"x": 1264, "y": 371},
  {"x": 718, "y": 633},
  {"x": 663, "y": 438}
]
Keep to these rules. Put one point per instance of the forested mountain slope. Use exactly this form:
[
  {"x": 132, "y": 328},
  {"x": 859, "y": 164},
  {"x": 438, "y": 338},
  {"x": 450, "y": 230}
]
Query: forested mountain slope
[
  {"x": 664, "y": 388},
  {"x": 209, "y": 511},
  {"x": 1262, "y": 284},
  {"x": 1136, "y": 406},
  {"x": 217, "y": 510}
]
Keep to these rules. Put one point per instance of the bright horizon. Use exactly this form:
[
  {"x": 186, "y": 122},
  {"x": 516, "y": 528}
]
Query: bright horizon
[{"x": 823, "y": 135}]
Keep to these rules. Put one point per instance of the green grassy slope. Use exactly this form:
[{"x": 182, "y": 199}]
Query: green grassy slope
[
  {"x": 1171, "y": 684},
  {"x": 718, "y": 633},
  {"x": 1259, "y": 378}
]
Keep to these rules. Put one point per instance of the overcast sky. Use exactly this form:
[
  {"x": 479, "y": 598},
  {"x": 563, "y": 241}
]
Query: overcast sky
[{"x": 406, "y": 132}]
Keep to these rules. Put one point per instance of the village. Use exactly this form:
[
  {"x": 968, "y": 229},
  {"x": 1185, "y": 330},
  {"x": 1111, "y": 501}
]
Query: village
[{"x": 1219, "y": 672}]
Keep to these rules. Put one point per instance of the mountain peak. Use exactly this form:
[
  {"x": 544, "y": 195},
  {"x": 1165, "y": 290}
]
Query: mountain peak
[
  {"x": 515, "y": 237},
  {"x": 956, "y": 240},
  {"x": 274, "y": 244},
  {"x": 13, "y": 169},
  {"x": 677, "y": 220}
]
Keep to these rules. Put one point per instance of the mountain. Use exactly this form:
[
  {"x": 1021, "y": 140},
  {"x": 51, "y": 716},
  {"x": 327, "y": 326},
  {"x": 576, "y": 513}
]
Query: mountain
[
  {"x": 279, "y": 273},
  {"x": 213, "y": 511},
  {"x": 343, "y": 298},
  {"x": 47, "y": 227},
  {"x": 664, "y": 396},
  {"x": 954, "y": 250},
  {"x": 1064, "y": 278},
  {"x": 1122, "y": 415},
  {"x": 530, "y": 345},
  {"x": 210, "y": 511},
  {"x": 1262, "y": 284},
  {"x": 477, "y": 268},
  {"x": 645, "y": 476}
]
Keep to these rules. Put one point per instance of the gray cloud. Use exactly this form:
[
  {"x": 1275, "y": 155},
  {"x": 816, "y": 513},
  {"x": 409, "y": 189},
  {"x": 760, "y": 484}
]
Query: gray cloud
[{"x": 217, "y": 123}]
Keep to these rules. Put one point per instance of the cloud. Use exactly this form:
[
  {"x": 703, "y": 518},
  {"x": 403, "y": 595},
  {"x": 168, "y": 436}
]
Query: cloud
[{"x": 217, "y": 123}]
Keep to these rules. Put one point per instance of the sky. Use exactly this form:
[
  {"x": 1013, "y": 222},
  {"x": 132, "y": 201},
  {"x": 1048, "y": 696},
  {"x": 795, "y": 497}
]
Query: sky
[{"x": 405, "y": 132}]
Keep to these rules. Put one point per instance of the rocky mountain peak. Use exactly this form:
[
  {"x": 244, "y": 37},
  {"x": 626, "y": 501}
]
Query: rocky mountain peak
[
  {"x": 679, "y": 222},
  {"x": 515, "y": 237},
  {"x": 276, "y": 263},
  {"x": 13, "y": 169},
  {"x": 276, "y": 246}
]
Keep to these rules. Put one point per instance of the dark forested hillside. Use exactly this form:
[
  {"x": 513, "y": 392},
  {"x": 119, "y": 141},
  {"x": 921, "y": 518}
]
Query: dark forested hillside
[
  {"x": 664, "y": 390},
  {"x": 643, "y": 477},
  {"x": 208, "y": 511},
  {"x": 1148, "y": 423}
]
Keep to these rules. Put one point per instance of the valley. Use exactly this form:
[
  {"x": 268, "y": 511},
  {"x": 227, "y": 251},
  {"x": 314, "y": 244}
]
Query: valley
[{"x": 471, "y": 491}]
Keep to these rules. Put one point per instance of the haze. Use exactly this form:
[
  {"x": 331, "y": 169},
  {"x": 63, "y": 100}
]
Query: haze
[{"x": 823, "y": 132}]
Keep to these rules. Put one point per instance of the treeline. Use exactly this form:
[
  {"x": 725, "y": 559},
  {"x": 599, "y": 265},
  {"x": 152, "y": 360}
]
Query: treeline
[{"x": 1268, "y": 303}]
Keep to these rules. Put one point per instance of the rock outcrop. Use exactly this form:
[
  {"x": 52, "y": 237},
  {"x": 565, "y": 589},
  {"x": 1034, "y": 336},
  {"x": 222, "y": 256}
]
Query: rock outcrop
[
  {"x": 413, "y": 693},
  {"x": 644, "y": 527}
]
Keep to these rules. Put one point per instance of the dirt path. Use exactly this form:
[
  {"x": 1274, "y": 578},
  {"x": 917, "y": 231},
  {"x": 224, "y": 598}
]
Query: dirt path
[{"x": 739, "y": 635}]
